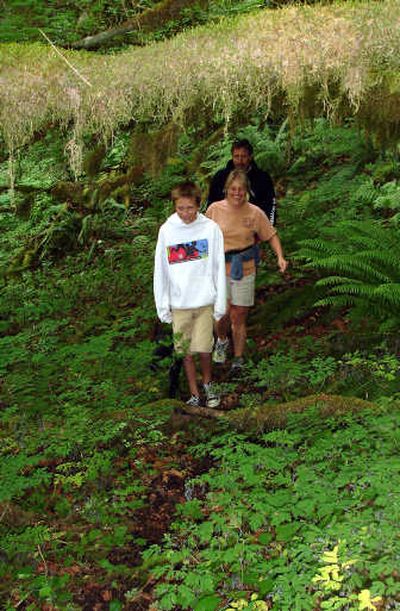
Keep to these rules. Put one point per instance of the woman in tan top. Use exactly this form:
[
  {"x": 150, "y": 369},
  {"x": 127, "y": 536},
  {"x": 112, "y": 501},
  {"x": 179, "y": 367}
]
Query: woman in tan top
[{"x": 243, "y": 225}]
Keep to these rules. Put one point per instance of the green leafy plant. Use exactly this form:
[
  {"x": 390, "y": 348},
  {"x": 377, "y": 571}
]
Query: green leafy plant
[
  {"x": 271, "y": 510},
  {"x": 287, "y": 373},
  {"x": 361, "y": 258}
]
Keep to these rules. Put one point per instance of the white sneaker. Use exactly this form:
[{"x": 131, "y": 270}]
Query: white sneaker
[
  {"x": 212, "y": 397},
  {"x": 220, "y": 350},
  {"x": 194, "y": 401}
]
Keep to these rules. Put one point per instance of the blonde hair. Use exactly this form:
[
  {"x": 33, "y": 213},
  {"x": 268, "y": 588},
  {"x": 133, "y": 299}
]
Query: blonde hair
[{"x": 240, "y": 176}]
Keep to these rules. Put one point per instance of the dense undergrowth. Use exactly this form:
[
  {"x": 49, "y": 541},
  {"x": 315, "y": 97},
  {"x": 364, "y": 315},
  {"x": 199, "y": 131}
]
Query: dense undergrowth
[
  {"x": 109, "y": 500},
  {"x": 297, "y": 516}
]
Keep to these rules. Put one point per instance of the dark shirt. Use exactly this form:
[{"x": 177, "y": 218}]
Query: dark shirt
[{"x": 262, "y": 192}]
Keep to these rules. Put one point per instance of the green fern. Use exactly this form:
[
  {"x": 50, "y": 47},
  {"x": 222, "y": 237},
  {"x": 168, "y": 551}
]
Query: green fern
[{"x": 360, "y": 261}]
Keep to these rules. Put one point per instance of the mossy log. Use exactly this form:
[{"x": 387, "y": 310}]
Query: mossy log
[
  {"x": 151, "y": 19},
  {"x": 268, "y": 417},
  {"x": 205, "y": 412}
]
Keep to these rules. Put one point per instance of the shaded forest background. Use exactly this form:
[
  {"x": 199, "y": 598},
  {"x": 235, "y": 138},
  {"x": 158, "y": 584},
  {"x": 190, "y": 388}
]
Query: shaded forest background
[{"x": 112, "y": 498}]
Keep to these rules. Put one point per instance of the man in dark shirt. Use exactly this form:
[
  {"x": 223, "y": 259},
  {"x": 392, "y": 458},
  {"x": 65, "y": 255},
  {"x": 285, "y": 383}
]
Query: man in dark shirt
[{"x": 262, "y": 191}]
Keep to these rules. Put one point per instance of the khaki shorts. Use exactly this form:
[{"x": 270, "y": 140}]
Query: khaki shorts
[
  {"x": 193, "y": 329},
  {"x": 241, "y": 292}
]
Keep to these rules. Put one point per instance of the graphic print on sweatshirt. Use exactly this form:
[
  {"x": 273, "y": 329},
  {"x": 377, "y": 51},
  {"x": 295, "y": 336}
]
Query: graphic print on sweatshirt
[{"x": 190, "y": 251}]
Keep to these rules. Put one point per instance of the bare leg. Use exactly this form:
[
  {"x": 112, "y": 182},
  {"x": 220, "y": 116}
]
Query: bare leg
[
  {"x": 222, "y": 325},
  {"x": 205, "y": 364},
  {"x": 190, "y": 370},
  {"x": 238, "y": 315}
]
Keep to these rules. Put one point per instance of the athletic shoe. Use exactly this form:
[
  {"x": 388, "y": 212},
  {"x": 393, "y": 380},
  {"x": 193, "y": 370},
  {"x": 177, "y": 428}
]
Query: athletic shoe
[
  {"x": 194, "y": 401},
  {"x": 220, "y": 350},
  {"x": 212, "y": 397},
  {"x": 237, "y": 367}
]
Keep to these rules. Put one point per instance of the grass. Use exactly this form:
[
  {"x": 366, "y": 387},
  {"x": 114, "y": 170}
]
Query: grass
[{"x": 337, "y": 60}]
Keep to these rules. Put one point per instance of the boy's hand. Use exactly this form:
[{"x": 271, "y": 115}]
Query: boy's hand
[{"x": 166, "y": 316}]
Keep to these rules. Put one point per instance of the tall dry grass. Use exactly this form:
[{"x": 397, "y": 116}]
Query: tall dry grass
[{"x": 337, "y": 60}]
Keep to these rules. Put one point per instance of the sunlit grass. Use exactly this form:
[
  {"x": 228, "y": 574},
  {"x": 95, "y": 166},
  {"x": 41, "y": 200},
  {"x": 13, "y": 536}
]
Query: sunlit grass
[{"x": 336, "y": 60}]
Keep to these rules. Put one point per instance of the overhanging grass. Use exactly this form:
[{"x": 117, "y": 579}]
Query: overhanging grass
[{"x": 336, "y": 60}]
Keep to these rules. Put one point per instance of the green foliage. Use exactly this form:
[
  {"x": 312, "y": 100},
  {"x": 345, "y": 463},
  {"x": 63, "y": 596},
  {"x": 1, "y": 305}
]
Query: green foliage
[
  {"x": 72, "y": 418},
  {"x": 83, "y": 431},
  {"x": 275, "y": 505},
  {"x": 388, "y": 200},
  {"x": 363, "y": 258},
  {"x": 306, "y": 369},
  {"x": 286, "y": 374},
  {"x": 63, "y": 22},
  {"x": 60, "y": 216}
]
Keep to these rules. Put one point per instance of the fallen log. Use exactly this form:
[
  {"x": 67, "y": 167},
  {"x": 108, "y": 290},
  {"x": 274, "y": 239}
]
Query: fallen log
[
  {"x": 98, "y": 40},
  {"x": 148, "y": 20},
  {"x": 267, "y": 417},
  {"x": 205, "y": 412}
]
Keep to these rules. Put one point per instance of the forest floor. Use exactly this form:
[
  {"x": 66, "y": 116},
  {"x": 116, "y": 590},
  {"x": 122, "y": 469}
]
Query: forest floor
[{"x": 113, "y": 498}]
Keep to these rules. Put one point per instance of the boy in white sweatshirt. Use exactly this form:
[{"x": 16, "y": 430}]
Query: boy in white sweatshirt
[{"x": 190, "y": 285}]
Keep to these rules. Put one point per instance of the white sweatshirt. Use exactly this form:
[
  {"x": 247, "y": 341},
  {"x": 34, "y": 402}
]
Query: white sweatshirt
[{"x": 189, "y": 269}]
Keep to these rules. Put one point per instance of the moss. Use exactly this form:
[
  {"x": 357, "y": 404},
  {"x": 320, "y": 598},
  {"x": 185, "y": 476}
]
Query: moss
[
  {"x": 165, "y": 11},
  {"x": 93, "y": 159},
  {"x": 379, "y": 111},
  {"x": 118, "y": 185},
  {"x": 23, "y": 206},
  {"x": 71, "y": 192},
  {"x": 152, "y": 148},
  {"x": 136, "y": 174},
  {"x": 268, "y": 417},
  {"x": 216, "y": 136}
]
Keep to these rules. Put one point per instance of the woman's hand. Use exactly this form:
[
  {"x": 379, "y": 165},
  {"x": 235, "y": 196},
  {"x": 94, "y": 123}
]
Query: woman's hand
[
  {"x": 282, "y": 264},
  {"x": 276, "y": 246}
]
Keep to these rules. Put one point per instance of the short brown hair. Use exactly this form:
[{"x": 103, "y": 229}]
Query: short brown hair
[
  {"x": 187, "y": 189},
  {"x": 239, "y": 175},
  {"x": 242, "y": 144}
]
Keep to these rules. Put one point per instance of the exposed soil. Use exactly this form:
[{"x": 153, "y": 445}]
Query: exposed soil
[{"x": 166, "y": 489}]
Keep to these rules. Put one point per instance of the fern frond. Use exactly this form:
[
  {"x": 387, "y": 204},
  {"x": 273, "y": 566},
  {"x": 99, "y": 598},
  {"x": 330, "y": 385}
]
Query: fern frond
[
  {"x": 332, "y": 281},
  {"x": 389, "y": 293},
  {"x": 362, "y": 260},
  {"x": 317, "y": 246},
  {"x": 386, "y": 258},
  {"x": 350, "y": 266},
  {"x": 383, "y": 299},
  {"x": 366, "y": 291},
  {"x": 339, "y": 301}
]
